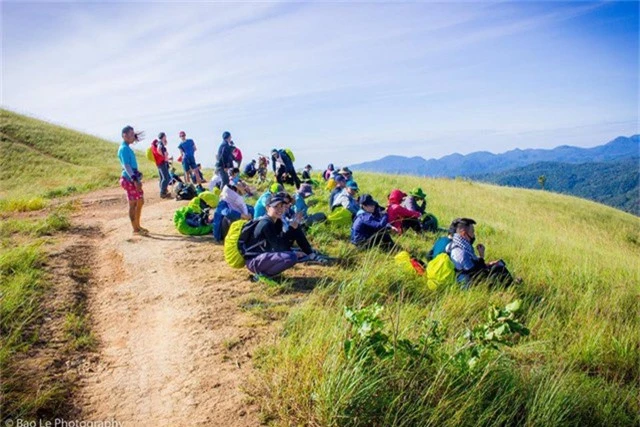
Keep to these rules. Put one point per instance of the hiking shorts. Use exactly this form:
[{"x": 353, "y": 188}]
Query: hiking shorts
[
  {"x": 189, "y": 163},
  {"x": 130, "y": 188}
]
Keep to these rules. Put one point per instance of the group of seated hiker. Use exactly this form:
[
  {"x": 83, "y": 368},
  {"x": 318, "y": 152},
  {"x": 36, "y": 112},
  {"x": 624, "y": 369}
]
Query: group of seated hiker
[{"x": 271, "y": 236}]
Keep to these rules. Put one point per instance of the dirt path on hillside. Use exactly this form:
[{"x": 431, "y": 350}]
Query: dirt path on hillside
[{"x": 174, "y": 346}]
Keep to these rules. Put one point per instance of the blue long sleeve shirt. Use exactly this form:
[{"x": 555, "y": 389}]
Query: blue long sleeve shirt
[{"x": 366, "y": 225}]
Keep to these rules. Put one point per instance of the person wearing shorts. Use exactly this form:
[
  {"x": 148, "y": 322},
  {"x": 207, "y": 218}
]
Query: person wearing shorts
[
  {"x": 188, "y": 150},
  {"x": 131, "y": 178}
]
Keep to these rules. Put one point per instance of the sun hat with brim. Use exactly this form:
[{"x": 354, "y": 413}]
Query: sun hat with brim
[
  {"x": 353, "y": 185},
  {"x": 346, "y": 170},
  {"x": 305, "y": 190},
  {"x": 367, "y": 200},
  {"x": 418, "y": 193}
]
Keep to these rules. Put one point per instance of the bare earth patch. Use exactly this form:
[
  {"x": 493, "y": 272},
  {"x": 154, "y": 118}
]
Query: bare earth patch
[{"x": 174, "y": 344}]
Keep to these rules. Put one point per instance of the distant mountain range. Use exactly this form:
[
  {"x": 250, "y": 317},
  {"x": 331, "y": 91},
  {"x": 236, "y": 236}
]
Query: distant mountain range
[
  {"x": 483, "y": 162},
  {"x": 608, "y": 174}
]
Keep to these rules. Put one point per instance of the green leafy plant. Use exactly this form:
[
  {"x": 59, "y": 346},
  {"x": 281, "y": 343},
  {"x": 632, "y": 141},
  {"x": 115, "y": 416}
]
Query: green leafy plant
[{"x": 501, "y": 329}]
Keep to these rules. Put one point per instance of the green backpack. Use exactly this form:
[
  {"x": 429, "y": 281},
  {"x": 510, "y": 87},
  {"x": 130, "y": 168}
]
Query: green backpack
[
  {"x": 440, "y": 272},
  {"x": 290, "y": 154}
]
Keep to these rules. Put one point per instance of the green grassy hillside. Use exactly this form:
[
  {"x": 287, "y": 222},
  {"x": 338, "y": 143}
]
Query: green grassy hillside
[
  {"x": 41, "y": 160},
  {"x": 580, "y": 365},
  {"x": 580, "y": 299}
]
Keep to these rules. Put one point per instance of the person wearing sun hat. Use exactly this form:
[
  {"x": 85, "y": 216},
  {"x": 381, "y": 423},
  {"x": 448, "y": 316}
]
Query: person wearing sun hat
[
  {"x": 347, "y": 198},
  {"x": 370, "y": 227},
  {"x": 416, "y": 200},
  {"x": 346, "y": 172}
]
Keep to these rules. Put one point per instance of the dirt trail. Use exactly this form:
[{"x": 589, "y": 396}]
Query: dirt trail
[{"x": 175, "y": 348}]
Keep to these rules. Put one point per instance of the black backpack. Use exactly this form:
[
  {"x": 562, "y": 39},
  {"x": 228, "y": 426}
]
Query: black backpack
[
  {"x": 248, "y": 245},
  {"x": 185, "y": 192}
]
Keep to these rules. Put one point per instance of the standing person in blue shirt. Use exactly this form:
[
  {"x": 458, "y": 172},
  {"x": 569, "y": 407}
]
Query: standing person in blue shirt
[
  {"x": 280, "y": 157},
  {"x": 225, "y": 159},
  {"x": 131, "y": 179},
  {"x": 188, "y": 150}
]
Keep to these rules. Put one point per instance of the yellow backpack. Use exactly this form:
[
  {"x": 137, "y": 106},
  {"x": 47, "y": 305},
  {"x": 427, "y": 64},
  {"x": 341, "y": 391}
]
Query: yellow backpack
[
  {"x": 331, "y": 184},
  {"x": 149, "y": 155},
  {"x": 290, "y": 154},
  {"x": 232, "y": 254},
  {"x": 340, "y": 216},
  {"x": 440, "y": 272}
]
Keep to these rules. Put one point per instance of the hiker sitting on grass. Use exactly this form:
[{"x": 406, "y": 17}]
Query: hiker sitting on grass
[
  {"x": 306, "y": 174},
  {"x": 416, "y": 200},
  {"x": 233, "y": 196},
  {"x": 400, "y": 217},
  {"x": 269, "y": 251},
  {"x": 328, "y": 173},
  {"x": 250, "y": 170},
  {"x": 471, "y": 268},
  {"x": 231, "y": 207},
  {"x": 347, "y": 198},
  {"x": 370, "y": 227},
  {"x": 263, "y": 200},
  {"x": 340, "y": 183},
  {"x": 300, "y": 206},
  {"x": 441, "y": 244},
  {"x": 131, "y": 178}
]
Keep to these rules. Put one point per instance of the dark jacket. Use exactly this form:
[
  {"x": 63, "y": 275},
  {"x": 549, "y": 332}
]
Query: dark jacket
[
  {"x": 225, "y": 156},
  {"x": 285, "y": 159},
  {"x": 270, "y": 236},
  {"x": 250, "y": 170},
  {"x": 366, "y": 225}
]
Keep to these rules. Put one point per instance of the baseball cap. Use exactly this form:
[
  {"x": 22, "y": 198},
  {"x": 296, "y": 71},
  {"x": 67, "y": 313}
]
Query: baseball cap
[
  {"x": 340, "y": 178},
  {"x": 277, "y": 199}
]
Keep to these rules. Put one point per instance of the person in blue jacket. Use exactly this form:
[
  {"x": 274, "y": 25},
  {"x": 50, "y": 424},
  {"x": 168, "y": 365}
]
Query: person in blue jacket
[{"x": 369, "y": 228}]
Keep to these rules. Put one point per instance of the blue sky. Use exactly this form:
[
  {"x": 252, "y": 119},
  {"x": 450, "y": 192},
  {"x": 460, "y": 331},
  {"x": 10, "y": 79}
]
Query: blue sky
[{"x": 334, "y": 81}]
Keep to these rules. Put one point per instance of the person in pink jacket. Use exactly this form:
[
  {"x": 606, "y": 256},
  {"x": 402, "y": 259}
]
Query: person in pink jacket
[{"x": 401, "y": 218}]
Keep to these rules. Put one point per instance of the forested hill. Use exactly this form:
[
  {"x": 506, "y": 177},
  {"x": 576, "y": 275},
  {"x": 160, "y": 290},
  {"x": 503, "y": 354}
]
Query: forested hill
[{"x": 614, "y": 183}]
